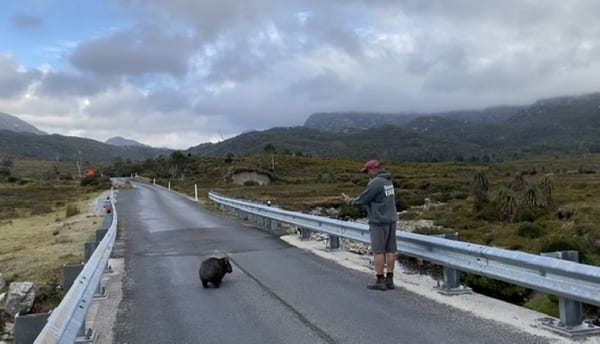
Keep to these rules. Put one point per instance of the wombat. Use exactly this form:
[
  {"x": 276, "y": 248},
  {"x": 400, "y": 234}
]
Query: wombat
[{"x": 213, "y": 269}]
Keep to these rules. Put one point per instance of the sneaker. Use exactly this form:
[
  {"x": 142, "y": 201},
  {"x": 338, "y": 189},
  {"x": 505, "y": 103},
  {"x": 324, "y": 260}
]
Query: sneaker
[
  {"x": 379, "y": 284},
  {"x": 389, "y": 282}
]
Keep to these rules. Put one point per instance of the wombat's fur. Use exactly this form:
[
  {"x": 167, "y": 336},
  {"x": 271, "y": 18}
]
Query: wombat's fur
[{"x": 213, "y": 269}]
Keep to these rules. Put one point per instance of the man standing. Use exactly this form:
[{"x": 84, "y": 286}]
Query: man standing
[{"x": 380, "y": 200}]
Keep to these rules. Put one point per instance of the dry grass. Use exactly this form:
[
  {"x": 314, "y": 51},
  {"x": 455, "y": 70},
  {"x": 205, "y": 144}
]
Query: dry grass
[{"x": 35, "y": 248}]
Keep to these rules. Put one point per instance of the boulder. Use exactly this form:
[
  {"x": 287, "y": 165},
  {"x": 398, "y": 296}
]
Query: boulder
[{"x": 20, "y": 298}]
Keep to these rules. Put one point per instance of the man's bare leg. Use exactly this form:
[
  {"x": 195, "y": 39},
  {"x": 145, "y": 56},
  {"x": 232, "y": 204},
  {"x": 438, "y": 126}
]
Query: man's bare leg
[
  {"x": 390, "y": 261},
  {"x": 379, "y": 259}
]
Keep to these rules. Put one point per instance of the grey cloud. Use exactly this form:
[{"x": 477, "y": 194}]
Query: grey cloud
[
  {"x": 141, "y": 51},
  {"x": 210, "y": 18},
  {"x": 323, "y": 87},
  {"x": 14, "y": 81},
  {"x": 168, "y": 100},
  {"x": 25, "y": 21},
  {"x": 64, "y": 84}
]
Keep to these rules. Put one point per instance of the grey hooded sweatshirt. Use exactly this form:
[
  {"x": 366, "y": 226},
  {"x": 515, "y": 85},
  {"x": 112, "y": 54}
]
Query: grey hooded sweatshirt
[{"x": 379, "y": 198}]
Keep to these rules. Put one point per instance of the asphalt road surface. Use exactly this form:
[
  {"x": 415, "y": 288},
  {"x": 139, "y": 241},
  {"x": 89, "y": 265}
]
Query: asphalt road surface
[{"x": 276, "y": 293}]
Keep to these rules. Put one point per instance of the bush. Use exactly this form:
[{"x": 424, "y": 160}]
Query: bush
[
  {"x": 530, "y": 214},
  {"x": 350, "y": 212},
  {"x": 494, "y": 288},
  {"x": 72, "y": 210},
  {"x": 40, "y": 209},
  {"x": 544, "y": 304},
  {"x": 97, "y": 182},
  {"x": 561, "y": 243},
  {"x": 250, "y": 183},
  {"x": 401, "y": 205},
  {"x": 530, "y": 230},
  {"x": 488, "y": 213}
]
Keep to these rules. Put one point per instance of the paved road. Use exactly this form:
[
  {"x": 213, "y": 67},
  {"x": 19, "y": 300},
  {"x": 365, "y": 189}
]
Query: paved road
[{"x": 276, "y": 293}]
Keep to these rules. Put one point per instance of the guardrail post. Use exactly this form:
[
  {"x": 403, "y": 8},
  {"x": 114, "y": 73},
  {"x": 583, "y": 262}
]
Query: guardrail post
[
  {"x": 274, "y": 225},
  {"x": 88, "y": 249},
  {"x": 571, "y": 319},
  {"x": 196, "y": 192},
  {"x": 334, "y": 241},
  {"x": 304, "y": 233},
  {"x": 28, "y": 327},
  {"x": 451, "y": 282}
]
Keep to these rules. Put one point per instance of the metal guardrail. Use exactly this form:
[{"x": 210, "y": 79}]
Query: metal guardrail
[
  {"x": 553, "y": 276},
  {"x": 67, "y": 319}
]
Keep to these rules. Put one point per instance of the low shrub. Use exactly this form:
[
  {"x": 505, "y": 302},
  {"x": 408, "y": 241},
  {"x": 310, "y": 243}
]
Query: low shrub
[
  {"x": 40, "y": 209},
  {"x": 488, "y": 212},
  {"x": 350, "y": 212},
  {"x": 494, "y": 288},
  {"x": 72, "y": 210},
  {"x": 250, "y": 183},
  {"x": 401, "y": 204},
  {"x": 530, "y": 214},
  {"x": 544, "y": 304},
  {"x": 530, "y": 230},
  {"x": 563, "y": 243}
]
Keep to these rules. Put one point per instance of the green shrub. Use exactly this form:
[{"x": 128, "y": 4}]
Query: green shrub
[
  {"x": 97, "y": 182},
  {"x": 530, "y": 214},
  {"x": 488, "y": 213},
  {"x": 544, "y": 304},
  {"x": 562, "y": 243},
  {"x": 40, "y": 209},
  {"x": 530, "y": 230},
  {"x": 401, "y": 204},
  {"x": 350, "y": 212},
  {"x": 494, "y": 288},
  {"x": 72, "y": 210}
]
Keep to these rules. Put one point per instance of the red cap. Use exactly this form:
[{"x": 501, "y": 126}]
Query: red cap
[{"x": 370, "y": 164}]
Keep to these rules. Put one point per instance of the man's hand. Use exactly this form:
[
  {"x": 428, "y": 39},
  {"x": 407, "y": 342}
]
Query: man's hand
[{"x": 347, "y": 199}]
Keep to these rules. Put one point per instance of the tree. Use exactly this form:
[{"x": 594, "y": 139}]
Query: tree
[
  {"x": 177, "y": 162},
  {"x": 546, "y": 188},
  {"x": 480, "y": 188},
  {"x": 270, "y": 149},
  {"x": 229, "y": 157},
  {"x": 506, "y": 201}
]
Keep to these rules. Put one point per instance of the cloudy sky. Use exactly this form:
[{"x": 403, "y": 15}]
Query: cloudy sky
[{"x": 181, "y": 72}]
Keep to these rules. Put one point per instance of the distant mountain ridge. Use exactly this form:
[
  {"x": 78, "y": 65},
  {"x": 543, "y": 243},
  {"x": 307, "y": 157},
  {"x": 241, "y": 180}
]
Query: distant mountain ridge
[
  {"x": 349, "y": 121},
  {"x": 13, "y": 123},
  {"x": 122, "y": 142},
  {"x": 556, "y": 125},
  {"x": 69, "y": 148}
]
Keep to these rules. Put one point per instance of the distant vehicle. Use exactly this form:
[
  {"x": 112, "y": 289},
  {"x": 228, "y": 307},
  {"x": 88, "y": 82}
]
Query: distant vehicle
[{"x": 90, "y": 172}]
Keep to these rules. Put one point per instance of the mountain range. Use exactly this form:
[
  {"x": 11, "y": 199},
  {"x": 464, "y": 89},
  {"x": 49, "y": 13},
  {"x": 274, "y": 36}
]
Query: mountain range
[
  {"x": 123, "y": 142},
  {"x": 12, "y": 123},
  {"x": 569, "y": 125}
]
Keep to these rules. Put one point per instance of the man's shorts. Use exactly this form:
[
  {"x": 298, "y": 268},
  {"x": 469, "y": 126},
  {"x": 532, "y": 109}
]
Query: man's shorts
[{"x": 383, "y": 237}]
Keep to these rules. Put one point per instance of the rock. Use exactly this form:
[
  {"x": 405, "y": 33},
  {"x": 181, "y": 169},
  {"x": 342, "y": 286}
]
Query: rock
[{"x": 20, "y": 298}]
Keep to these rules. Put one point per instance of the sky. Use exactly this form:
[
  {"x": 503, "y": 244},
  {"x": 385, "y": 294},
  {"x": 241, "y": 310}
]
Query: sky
[{"x": 180, "y": 73}]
